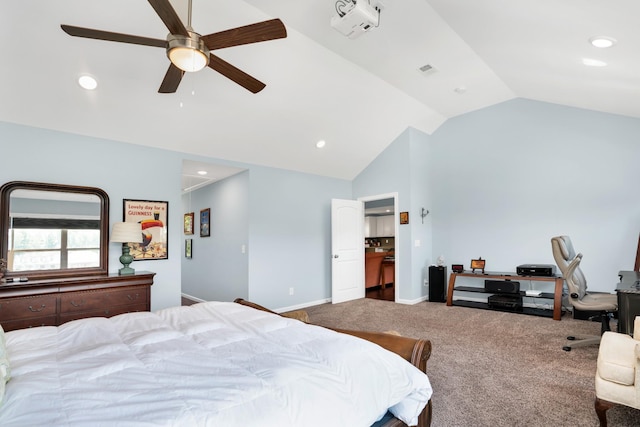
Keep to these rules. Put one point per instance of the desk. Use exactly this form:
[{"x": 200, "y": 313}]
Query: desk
[
  {"x": 628, "y": 291},
  {"x": 557, "y": 295}
]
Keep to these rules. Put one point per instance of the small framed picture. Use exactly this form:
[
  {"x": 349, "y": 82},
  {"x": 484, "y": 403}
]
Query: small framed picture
[
  {"x": 205, "y": 222},
  {"x": 188, "y": 223},
  {"x": 188, "y": 247},
  {"x": 404, "y": 217}
]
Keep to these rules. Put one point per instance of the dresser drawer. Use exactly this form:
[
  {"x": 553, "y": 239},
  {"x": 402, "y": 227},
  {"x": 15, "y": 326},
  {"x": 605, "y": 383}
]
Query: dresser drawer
[
  {"x": 12, "y": 325},
  {"x": 106, "y": 312},
  {"x": 27, "y": 307},
  {"x": 98, "y": 300}
]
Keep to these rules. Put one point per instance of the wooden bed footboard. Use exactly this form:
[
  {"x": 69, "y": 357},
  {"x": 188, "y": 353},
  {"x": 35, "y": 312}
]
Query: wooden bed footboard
[{"x": 415, "y": 351}]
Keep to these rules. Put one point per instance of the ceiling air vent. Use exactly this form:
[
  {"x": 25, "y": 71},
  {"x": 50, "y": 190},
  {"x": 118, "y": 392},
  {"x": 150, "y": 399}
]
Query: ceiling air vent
[{"x": 427, "y": 69}]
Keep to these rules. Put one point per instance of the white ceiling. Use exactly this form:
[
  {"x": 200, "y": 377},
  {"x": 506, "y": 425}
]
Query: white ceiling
[{"x": 358, "y": 95}]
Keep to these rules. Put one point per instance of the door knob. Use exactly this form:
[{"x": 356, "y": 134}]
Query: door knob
[{"x": 336, "y": 256}]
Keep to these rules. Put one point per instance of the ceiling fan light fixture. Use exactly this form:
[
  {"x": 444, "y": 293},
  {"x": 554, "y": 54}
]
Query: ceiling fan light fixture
[{"x": 187, "y": 53}]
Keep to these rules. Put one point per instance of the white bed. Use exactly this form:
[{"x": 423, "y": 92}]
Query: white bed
[{"x": 211, "y": 364}]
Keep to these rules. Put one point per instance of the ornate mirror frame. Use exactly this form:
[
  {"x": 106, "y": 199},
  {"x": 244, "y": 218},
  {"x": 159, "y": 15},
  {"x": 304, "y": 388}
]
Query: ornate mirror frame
[{"x": 5, "y": 199}]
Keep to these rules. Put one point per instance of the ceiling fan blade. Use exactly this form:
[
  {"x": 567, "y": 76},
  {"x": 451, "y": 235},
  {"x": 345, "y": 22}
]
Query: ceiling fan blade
[
  {"x": 112, "y": 37},
  {"x": 167, "y": 13},
  {"x": 259, "y": 32},
  {"x": 229, "y": 71},
  {"x": 171, "y": 80}
]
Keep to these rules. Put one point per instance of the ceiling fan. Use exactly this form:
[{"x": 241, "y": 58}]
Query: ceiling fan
[{"x": 188, "y": 50}]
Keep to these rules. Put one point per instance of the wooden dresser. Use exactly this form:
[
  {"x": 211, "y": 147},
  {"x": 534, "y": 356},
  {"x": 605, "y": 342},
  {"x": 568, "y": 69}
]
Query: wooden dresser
[{"x": 55, "y": 301}]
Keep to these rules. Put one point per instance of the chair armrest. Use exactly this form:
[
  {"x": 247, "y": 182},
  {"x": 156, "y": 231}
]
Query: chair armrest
[
  {"x": 636, "y": 328},
  {"x": 618, "y": 358}
]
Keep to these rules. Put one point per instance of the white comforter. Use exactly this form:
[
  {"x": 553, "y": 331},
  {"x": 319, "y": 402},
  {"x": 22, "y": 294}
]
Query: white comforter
[{"x": 212, "y": 364}]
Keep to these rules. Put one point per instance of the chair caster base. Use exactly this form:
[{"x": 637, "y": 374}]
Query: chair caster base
[
  {"x": 571, "y": 338},
  {"x": 566, "y": 348}
]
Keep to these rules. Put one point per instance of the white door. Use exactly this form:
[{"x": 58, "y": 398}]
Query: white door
[{"x": 347, "y": 250}]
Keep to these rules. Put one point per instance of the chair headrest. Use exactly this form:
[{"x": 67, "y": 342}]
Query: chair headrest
[{"x": 564, "y": 247}]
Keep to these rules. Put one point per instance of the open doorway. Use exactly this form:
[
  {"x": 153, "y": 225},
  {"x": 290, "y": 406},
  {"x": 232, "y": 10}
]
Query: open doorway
[
  {"x": 381, "y": 255},
  {"x": 224, "y": 191}
]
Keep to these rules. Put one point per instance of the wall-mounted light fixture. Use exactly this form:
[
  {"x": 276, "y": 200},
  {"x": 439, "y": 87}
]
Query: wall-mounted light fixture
[{"x": 424, "y": 213}]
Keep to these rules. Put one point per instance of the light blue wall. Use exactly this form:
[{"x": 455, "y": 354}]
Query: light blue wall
[
  {"x": 401, "y": 168},
  {"x": 389, "y": 173},
  {"x": 282, "y": 216},
  {"x": 509, "y": 177},
  {"x": 421, "y": 256},
  {"x": 499, "y": 183},
  {"x": 290, "y": 236},
  {"x": 219, "y": 270},
  {"x": 284, "y": 220},
  {"x": 122, "y": 170}
]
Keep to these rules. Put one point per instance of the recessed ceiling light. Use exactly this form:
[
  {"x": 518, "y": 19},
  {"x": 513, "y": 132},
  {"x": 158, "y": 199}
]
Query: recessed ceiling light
[
  {"x": 593, "y": 62},
  {"x": 321, "y": 143},
  {"x": 87, "y": 82},
  {"x": 602, "y": 41},
  {"x": 202, "y": 172},
  {"x": 460, "y": 90}
]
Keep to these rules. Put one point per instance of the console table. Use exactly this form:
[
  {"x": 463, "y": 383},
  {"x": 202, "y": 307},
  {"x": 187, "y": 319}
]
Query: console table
[
  {"x": 557, "y": 295},
  {"x": 53, "y": 302}
]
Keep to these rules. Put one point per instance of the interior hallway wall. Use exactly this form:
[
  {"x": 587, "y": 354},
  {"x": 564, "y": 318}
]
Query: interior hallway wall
[
  {"x": 401, "y": 169},
  {"x": 218, "y": 269}
]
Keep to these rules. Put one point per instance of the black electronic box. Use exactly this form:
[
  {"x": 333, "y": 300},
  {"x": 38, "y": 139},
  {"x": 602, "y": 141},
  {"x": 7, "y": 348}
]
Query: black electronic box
[
  {"x": 505, "y": 302},
  {"x": 502, "y": 286},
  {"x": 536, "y": 270}
]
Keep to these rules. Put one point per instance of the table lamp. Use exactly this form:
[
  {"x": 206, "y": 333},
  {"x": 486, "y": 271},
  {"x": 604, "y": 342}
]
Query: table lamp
[{"x": 125, "y": 233}]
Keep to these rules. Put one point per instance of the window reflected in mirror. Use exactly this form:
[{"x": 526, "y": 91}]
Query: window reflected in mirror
[{"x": 51, "y": 231}]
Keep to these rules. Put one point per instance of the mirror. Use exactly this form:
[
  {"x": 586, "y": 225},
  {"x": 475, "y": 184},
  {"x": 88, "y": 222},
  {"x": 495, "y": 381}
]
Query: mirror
[{"x": 52, "y": 230}]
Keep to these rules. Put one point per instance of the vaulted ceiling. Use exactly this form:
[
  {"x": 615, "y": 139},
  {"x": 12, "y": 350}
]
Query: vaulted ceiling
[{"x": 357, "y": 95}]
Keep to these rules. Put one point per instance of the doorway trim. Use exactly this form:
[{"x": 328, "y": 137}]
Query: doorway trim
[{"x": 396, "y": 235}]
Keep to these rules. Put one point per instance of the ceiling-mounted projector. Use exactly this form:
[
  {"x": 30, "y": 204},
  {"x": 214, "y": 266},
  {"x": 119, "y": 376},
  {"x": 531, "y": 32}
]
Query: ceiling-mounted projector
[{"x": 358, "y": 18}]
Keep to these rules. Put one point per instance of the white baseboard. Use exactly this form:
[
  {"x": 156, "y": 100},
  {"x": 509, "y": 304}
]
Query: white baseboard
[
  {"x": 301, "y": 306},
  {"x": 412, "y": 301},
  {"x": 192, "y": 297}
]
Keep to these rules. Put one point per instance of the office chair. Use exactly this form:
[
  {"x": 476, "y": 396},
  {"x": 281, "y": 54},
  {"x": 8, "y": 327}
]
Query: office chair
[{"x": 606, "y": 304}]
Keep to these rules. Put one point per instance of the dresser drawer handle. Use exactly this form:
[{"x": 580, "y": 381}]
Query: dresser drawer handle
[
  {"x": 77, "y": 304},
  {"x": 134, "y": 297},
  {"x": 35, "y": 310}
]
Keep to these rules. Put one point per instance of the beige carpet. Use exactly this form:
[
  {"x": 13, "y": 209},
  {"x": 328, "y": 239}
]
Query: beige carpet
[{"x": 492, "y": 368}]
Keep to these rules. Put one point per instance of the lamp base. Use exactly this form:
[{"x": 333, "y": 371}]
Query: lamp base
[
  {"x": 124, "y": 271},
  {"x": 126, "y": 259}
]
